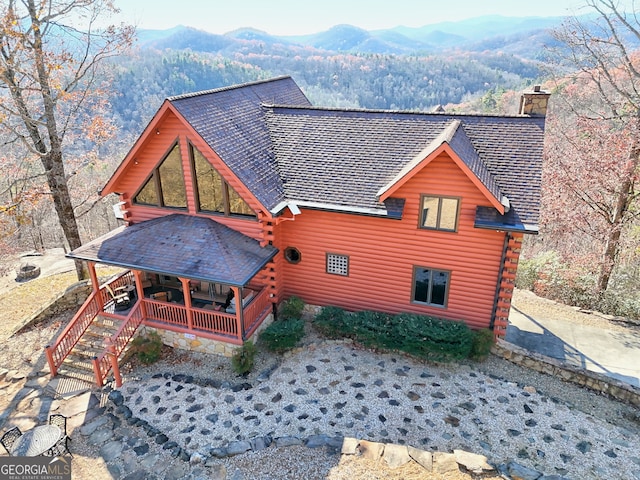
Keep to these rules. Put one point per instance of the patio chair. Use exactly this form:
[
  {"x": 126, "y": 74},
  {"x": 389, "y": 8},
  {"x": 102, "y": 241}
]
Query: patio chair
[
  {"x": 122, "y": 300},
  {"x": 62, "y": 445},
  {"x": 9, "y": 438}
]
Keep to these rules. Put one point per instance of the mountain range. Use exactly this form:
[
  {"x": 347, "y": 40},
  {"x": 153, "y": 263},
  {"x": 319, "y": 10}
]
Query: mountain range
[{"x": 514, "y": 35}]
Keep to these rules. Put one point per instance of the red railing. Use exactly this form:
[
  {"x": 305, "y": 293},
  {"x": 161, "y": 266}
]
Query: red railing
[
  {"x": 171, "y": 313},
  {"x": 256, "y": 312},
  {"x": 116, "y": 344},
  {"x": 94, "y": 304},
  {"x": 65, "y": 342},
  {"x": 209, "y": 321},
  {"x": 215, "y": 322}
]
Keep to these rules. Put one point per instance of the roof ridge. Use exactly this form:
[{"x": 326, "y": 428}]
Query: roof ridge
[
  {"x": 445, "y": 136},
  {"x": 227, "y": 88},
  {"x": 380, "y": 110}
]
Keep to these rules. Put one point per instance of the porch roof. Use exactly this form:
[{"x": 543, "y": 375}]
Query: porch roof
[{"x": 183, "y": 246}]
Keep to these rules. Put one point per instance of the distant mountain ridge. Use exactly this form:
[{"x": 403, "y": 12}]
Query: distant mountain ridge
[{"x": 510, "y": 34}]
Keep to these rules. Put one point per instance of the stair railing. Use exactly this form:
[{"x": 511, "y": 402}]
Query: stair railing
[
  {"x": 72, "y": 333},
  {"x": 115, "y": 345},
  {"x": 65, "y": 342}
]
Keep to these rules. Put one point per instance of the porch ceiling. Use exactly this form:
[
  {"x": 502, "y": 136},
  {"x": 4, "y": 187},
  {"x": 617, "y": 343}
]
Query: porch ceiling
[{"x": 183, "y": 246}]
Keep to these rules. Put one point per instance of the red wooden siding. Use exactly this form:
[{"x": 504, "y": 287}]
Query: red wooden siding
[
  {"x": 383, "y": 252},
  {"x": 152, "y": 151}
]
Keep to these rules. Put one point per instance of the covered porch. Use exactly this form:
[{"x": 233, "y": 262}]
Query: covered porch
[{"x": 188, "y": 275}]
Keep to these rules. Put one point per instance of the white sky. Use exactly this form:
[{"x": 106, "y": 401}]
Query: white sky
[{"x": 294, "y": 17}]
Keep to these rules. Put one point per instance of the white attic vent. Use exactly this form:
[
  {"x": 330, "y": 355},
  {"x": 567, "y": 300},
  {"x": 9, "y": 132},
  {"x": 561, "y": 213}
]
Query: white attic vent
[{"x": 118, "y": 210}]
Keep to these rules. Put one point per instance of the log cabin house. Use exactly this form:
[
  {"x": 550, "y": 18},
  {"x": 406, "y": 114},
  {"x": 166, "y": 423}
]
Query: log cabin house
[{"x": 249, "y": 192}]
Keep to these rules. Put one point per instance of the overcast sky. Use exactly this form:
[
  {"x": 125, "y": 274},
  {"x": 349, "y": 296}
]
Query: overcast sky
[{"x": 293, "y": 17}]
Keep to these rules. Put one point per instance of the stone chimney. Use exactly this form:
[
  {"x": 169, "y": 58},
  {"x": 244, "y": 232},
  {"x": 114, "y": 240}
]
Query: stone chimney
[{"x": 534, "y": 103}]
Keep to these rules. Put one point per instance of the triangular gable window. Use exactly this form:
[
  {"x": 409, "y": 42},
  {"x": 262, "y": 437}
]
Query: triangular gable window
[
  {"x": 165, "y": 187},
  {"x": 214, "y": 194}
]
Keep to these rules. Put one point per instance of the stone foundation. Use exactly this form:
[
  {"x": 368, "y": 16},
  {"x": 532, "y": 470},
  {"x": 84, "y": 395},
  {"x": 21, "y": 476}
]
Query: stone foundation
[
  {"x": 194, "y": 343},
  {"x": 585, "y": 378}
]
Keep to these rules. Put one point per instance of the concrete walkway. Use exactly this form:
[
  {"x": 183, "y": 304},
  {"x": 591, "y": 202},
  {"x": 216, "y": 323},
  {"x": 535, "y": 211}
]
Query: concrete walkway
[{"x": 610, "y": 352}]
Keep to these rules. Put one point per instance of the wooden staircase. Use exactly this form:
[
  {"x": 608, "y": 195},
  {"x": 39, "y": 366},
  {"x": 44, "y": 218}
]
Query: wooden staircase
[{"x": 78, "y": 364}]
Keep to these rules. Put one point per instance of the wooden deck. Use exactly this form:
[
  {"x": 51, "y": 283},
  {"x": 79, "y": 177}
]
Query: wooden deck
[{"x": 231, "y": 328}]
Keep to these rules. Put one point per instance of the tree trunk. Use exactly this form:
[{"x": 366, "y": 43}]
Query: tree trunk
[
  {"x": 625, "y": 197},
  {"x": 57, "y": 181}
]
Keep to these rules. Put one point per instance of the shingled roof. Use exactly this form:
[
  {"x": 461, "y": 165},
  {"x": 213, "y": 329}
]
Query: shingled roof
[
  {"x": 231, "y": 121},
  {"x": 183, "y": 246},
  {"x": 285, "y": 150},
  {"x": 343, "y": 158}
]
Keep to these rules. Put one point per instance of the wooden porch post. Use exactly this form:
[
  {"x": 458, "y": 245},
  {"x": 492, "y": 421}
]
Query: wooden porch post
[
  {"x": 113, "y": 357},
  {"x": 186, "y": 293},
  {"x": 139, "y": 289},
  {"x": 94, "y": 276},
  {"x": 237, "y": 294}
]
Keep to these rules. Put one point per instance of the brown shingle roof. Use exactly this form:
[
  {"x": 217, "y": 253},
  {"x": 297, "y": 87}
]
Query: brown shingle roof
[{"x": 343, "y": 157}]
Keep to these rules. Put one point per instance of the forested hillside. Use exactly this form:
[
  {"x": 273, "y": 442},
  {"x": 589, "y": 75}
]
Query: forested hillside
[{"x": 381, "y": 81}]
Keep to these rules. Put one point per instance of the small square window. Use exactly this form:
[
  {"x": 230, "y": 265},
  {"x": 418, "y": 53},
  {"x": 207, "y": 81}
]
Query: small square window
[{"x": 337, "y": 264}]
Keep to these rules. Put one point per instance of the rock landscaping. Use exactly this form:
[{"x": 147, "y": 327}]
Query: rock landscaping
[{"x": 379, "y": 406}]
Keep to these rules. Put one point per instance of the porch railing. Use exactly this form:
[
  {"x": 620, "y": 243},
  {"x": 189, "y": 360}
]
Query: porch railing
[
  {"x": 171, "y": 313},
  {"x": 65, "y": 342},
  {"x": 217, "y": 325},
  {"x": 69, "y": 337},
  {"x": 115, "y": 345},
  {"x": 215, "y": 322},
  {"x": 255, "y": 312},
  {"x": 210, "y": 322}
]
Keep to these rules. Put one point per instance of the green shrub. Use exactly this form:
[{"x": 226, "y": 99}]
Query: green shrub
[
  {"x": 432, "y": 338},
  {"x": 291, "y": 308},
  {"x": 422, "y": 336},
  {"x": 283, "y": 335},
  {"x": 482, "y": 343},
  {"x": 331, "y": 322},
  {"x": 147, "y": 347},
  {"x": 373, "y": 329},
  {"x": 243, "y": 359}
]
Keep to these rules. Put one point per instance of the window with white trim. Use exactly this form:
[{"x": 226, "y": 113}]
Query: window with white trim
[{"x": 337, "y": 264}]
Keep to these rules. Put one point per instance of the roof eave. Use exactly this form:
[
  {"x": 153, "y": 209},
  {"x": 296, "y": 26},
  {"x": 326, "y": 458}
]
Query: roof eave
[{"x": 153, "y": 124}]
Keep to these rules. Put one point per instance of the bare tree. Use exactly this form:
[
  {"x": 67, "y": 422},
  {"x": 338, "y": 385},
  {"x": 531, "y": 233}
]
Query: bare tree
[
  {"x": 50, "y": 54},
  {"x": 599, "y": 165}
]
